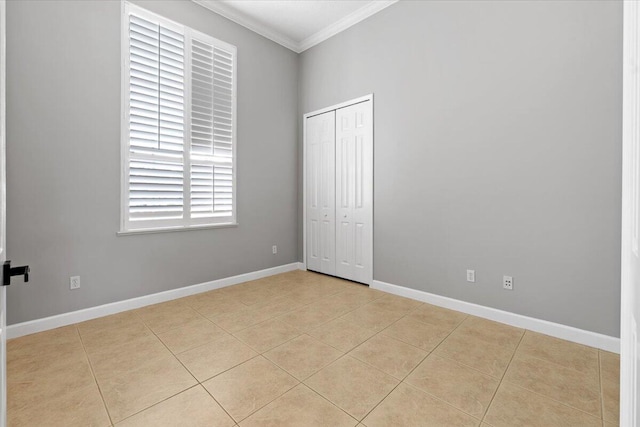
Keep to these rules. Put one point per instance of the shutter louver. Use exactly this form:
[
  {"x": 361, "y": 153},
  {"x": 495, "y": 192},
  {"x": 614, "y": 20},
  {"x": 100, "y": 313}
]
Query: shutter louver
[
  {"x": 178, "y": 125},
  {"x": 211, "y": 130},
  {"x": 156, "y": 121}
]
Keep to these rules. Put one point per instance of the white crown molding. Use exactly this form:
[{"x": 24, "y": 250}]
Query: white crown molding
[
  {"x": 298, "y": 47},
  {"x": 348, "y": 21},
  {"x": 247, "y": 22}
]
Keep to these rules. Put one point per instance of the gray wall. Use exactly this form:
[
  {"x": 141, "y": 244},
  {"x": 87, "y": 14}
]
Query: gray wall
[
  {"x": 497, "y": 148},
  {"x": 63, "y": 156}
]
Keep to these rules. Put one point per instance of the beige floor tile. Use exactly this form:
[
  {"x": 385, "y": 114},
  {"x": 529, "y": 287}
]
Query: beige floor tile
[
  {"x": 44, "y": 341},
  {"x": 191, "y": 408},
  {"x": 407, "y": 406},
  {"x": 255, "y": 295},
  {"x": 212, "y": 305},
  {"x": 113, "y": 321},
  {"x": 342, "y": 334},
  {"x": 422, "y": 335},
  {"x": 491, "y": 332},
  {"x": 372, "y": 317},
  {"x": 26, "y": 363},
  {"x": 469, "y": 350},
  {"x": 463, "y": 388},
  {"x": 47, "y": 381},
  {"x": 297, "y": 408},
  {"x": 115, "y": 360},
  {"x": 336, "y": 304},
  {"x": 438, "y": 316},
  {"x": 515, "y": 406},
  {"x": 303, "y": 356},
  {"x": 577, "y": 389},
  {"x": 304, "y": 294},
  {"x": 267, "y": 335},
  {"x": 329, "y": 285},
  {"x": 275, "y": 307},
  {"x": 306, "y": 318},
  {"x": 610, "y": 376},
  {"x": 389, "y": 355},
  {"x": 32, "y": 353},
  {"x": 565, "y": 353},
  {"x": 248, "y": 387},
  {"x": 396, "y": 303},
  {"x": 97, "y": 340},
  {"x": 166, "y": 316},
  {"x": 147, "y": 385},
  {"x": 361, "y": 294},
  {"x": 23, "y": 388},
  {"x": 352, "y": 385},
  {"x": 237, "y": 320},
  {"x": 76, "y": 407},
  {"x": 191, "y": 335},
  {"x": 215, "y": 357}
]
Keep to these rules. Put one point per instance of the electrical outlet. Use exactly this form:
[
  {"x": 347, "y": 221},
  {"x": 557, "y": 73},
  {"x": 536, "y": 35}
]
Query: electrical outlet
[
  {"x": 507, "y": 282},
  {"x": 471, "y": 276},
  {"x": 74, "y": 282},
  {"x": 274, "y": 249}
]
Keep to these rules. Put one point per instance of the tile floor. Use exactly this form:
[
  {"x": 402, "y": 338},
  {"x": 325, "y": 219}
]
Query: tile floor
[{"x": 301, "y": 349}]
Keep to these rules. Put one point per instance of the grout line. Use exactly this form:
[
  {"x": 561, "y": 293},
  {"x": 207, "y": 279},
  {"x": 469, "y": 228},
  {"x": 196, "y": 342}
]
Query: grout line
[
  {"x": 513, "y": 355},
  {"x": 601, "y": 388},
  {"x": 415, "y": 367},
  {"x": 554, "y": 400},
  {"x": 235, "y": 423},
  {"x": 158, "y": 402},
  {"x": 104, "y": 403}
]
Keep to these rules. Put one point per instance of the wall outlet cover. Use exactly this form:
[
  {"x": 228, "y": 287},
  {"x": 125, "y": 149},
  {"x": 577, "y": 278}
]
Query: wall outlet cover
[
  {"x": 471, "y": 276},
  {"x": 507, "y": 282},
  {"x": 74, "y": 282}
]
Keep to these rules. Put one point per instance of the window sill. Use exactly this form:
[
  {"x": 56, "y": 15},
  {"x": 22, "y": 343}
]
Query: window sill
[{"x": 176, "y": 228}]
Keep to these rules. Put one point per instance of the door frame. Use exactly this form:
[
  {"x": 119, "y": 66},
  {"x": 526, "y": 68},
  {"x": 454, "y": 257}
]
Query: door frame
[
  {"x": 305, "y": 116},
  {"x": 3, "y": 233},
  {"x": 629, "y": 291}
]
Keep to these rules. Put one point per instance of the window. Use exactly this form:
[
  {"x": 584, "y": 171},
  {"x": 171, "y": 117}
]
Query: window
[{"x": 178, "y": 129}]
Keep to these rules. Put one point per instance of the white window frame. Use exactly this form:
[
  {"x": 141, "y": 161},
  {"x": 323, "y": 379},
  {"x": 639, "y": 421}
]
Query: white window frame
[{"x": 187, "y": 222}]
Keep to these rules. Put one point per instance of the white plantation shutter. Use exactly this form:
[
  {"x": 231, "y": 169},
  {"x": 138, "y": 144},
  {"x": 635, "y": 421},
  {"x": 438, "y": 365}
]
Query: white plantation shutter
[
  {"x": 211, "y": 130},
  {"x": 178, "y": 133}
]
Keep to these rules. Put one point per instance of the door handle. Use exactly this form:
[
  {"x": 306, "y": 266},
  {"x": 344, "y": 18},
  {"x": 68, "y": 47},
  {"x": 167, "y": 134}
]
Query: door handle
[{"x": 8, "y": 271}]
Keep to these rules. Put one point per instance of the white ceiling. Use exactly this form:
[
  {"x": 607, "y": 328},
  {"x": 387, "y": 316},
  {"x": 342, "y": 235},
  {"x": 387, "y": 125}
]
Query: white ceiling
[{"x": 296, "y": 24}]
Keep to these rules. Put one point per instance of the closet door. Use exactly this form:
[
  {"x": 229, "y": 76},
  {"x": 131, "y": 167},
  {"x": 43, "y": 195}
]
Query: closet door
[
  {"x": 354, "y": 192},
  {"x": 321, "y": 209}
]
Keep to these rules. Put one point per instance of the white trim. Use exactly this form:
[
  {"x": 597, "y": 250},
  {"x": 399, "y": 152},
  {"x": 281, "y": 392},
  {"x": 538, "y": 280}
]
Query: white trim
[
  {"x": 344, "y": 23},
  {"x": 44, "y": 324},
  {"x": 629, "y": 289},
  {"x": 557, "y": 330},
  {"x": 305, "y": 116},
  {"x": 187, "y": 221},
  {"x": 276, "y": 36}
]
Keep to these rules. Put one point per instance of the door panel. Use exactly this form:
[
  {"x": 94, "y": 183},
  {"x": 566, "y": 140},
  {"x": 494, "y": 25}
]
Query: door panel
[
  {"x": 354, "y": 163},
  {"x": 320, "y": 149}
]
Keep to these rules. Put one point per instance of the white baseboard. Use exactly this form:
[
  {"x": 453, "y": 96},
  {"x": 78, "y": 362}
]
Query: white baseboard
[
  {"x": 557, "y": 330},
  {"x": 39, "y": 325}
]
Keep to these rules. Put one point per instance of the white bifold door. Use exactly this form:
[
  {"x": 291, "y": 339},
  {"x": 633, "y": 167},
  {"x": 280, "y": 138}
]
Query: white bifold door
[{"x": 339, "y": 167}]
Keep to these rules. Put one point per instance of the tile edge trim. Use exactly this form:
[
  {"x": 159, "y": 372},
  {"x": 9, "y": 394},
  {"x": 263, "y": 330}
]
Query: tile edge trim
[
  {"x": 64, "y": 319},
  {"x": 569, "y": 333}
]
